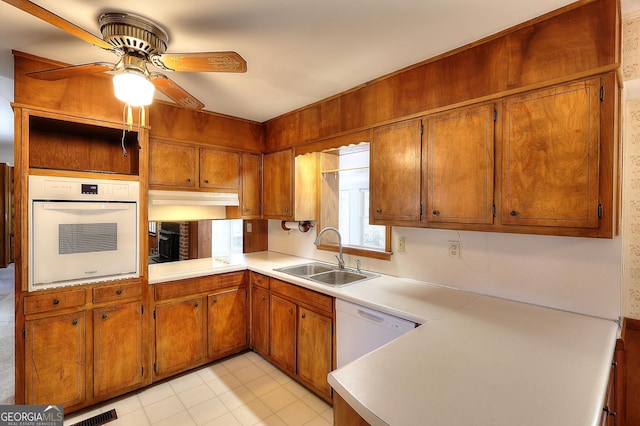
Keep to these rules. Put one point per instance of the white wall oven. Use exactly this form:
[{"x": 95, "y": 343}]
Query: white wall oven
[{"x": 82, "y": 231}]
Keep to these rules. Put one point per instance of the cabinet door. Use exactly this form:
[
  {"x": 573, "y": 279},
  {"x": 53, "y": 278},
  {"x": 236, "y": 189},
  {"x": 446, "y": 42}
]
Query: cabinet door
[
  {"x": 282, "y": 333},
  {"x": 458, "y": 166},
  {"x": 260, "y": 320},
  {"x": 250, "y": 195},
  {"x": 117, "y": 348},
  {"x": 227, "y": 322},
  {"x": 55, "y": 360},
  {"x": 277, "y": 192},
  {"x": 551, "y": 157},
  {"x": 172, "y": 165},
  {"x": 180, "y": 335},
  {"x": 219, "y": 170},
  {"x": 395, "y": 173},
  {"x": 315, "y": 350}
]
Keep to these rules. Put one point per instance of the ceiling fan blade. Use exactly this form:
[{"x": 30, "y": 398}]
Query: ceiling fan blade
[
  {"x": 203, "y": 62},
  {"x": 72, "y": 71},
  {"x": 53, "y": 19},
  {"x": 174, "y": 92}
]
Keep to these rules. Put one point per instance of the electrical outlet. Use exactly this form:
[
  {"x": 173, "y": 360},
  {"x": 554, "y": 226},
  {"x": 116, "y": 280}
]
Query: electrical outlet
[
  {"x": 249, "y": 227},
  {"x": 401, "y": 245},
  {"x": 454, "y": 249}
]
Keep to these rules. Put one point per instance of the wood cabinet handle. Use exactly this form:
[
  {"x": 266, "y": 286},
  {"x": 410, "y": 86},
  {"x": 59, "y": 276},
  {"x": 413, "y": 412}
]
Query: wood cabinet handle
[
  {"x": 215, "y": 300},
  {"x": 119, "y": 292},
  {"x": 513, "y": 213},
  {"x": 188, "y": 179},
  {"x": 304, "y": 316},
  {"x": 206, "y": 181},
  {"x": 379, "y": 211},
  {"x": 56, "y": 302},
  {"x": 286, "y": 209},
  {"x": 435, "y": 212},
  {"x": 264, "y": 299},
  {"x": 195, "y": 305},
  {"x": 247, "y": 209},
  {"x": 74, "y": 322},
  {"x": 290, "y": 310},
  {"x": 105, "y": 316}
]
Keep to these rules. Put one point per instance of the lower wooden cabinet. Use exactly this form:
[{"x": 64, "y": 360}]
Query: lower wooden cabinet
[
  {"x": 180, "y": 335},
  {"x": 282, "y": 333},
  {"x": 227, "y": 322},
  {"x": 300, "y": 332},
  {"x": 55, "y": 360},
  {"x": 117, "y": 348},
  {"x": 315, "y": 335}
]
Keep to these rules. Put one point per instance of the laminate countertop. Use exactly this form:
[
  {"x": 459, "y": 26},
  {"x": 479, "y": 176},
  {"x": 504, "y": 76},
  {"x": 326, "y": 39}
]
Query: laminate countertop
[{"x": 475, "y": 360}]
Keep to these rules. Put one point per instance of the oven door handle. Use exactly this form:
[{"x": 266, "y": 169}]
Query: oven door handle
[{"x": 86, "y": 206}]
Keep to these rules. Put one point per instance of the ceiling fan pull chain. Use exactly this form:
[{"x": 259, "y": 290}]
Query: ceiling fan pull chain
[{"x": 124, "y": 127}]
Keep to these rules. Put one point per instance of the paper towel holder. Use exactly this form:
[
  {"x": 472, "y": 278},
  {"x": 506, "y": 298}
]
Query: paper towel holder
[{"x": 303, "y": 225}]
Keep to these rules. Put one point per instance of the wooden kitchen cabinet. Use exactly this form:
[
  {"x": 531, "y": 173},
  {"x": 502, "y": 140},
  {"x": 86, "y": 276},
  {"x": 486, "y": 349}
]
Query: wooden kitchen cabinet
[
  {"x": 172, "y": 164},
  {"x": 290, "y": 186},
  {"x": 314, "y": 347},
  {"x": 55, "y": 360},
  {"x": 282, "y": 333},
  {"x": 458, "y": 164},
  {"x": 260, "y": 313},
  {"x": 251, "y": 186},
  {"x": 550, "y": 157},
  {"x": 395, "y": 173},
  {"x": 219, "y": 170},
  {"x": 180, "y": 335},
  {"x": 227, "y": 322},
  {"x": 117, "y": 348}
]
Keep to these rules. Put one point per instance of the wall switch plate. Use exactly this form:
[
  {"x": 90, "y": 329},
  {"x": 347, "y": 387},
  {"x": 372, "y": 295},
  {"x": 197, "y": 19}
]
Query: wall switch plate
[
  {"x": 454, "y": 249},
  {"x": 401, "y": 245},
  {"x": 249, "y": 227}
]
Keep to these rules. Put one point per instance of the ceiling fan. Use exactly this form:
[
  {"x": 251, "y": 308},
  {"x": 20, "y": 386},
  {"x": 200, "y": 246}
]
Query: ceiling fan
[{"x": 137, "y": 42}]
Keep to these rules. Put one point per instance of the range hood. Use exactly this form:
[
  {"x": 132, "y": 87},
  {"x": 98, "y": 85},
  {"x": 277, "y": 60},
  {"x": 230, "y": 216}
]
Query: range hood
[
  {"x": 188, "y": 198},
  {"x": 186, "y": 205}
]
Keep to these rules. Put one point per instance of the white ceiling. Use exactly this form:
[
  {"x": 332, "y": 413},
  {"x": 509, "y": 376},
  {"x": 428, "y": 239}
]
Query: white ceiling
[{"x": 297, "y": 51}]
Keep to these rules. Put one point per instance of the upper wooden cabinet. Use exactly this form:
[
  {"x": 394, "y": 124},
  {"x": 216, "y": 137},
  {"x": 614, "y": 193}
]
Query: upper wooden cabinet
[
  {"x": 550, "y": 157},
  {"x": 458, "y": 166},
  {"x": 251, "y": 186},
  {"x": 186, "y": 166},
  {"x": 219, "y": 170},
  {"x": 290, "y": 186},
  {"x": 395, "y": 173},
  {"x": 172, "y": 164}
]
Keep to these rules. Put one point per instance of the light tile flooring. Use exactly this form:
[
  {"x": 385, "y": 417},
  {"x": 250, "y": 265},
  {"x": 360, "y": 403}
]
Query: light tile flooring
[{"x": 243, "y": 390}]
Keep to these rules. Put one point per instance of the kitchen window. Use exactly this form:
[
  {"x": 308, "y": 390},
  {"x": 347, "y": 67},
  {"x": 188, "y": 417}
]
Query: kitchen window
[{"x": 344, "y": 203}]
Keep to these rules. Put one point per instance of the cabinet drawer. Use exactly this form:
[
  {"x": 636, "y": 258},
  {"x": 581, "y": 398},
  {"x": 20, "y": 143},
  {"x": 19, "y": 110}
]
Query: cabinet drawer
[
  {"x": 183, "y": 288},
  {"x": 259, "y": 280},
  {"x": 303, "y": 295},
  {"x": 49, "y": 302},
  {"x": 116, "y": 292}
]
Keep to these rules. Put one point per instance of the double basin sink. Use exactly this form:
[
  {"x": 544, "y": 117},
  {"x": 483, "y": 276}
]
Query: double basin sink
[{"x": 324, "y": 273}]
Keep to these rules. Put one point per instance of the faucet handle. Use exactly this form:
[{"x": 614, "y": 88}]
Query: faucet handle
[
  {"x": 340, "y": 262},
  {"x": 358, "y": 265}
]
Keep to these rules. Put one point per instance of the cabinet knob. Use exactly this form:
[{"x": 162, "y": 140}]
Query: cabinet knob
[
  {"x": 435, "y": 212},
  {"x": 379, "y": 211},
  {"x": 290, "y": 310},
  {"x": 513, "y": 213},
  {"x": 247, "y": 209},
  {"x": 105, "y": 316},
  {"x": 215, "y": 300},
  {"x": 119, "y": 292},
  {"x": 56, "y": 302},
  {"x": 206, "y": 181},
  {"x": 286, "y": 209},
  {"x": 195, "y": 305},
  {"x": 188, "y": 179},
  {"x": 304, "y": 316},
  {"x": 74, "y": 322},
  {"x": 264, "y": 299}
]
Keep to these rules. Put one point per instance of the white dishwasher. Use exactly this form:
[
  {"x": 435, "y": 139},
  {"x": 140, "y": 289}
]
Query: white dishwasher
[{"x": 360, "y": 330}]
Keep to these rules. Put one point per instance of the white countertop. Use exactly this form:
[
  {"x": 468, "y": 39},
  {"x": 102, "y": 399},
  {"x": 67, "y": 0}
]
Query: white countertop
[{"x": 476, "y": 360}]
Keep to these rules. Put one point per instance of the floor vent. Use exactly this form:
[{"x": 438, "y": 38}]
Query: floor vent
[{"x": 98, "y": 420}]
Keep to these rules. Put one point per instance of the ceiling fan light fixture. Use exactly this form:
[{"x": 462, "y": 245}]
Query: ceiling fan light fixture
[{"x": 133, "y": 88}]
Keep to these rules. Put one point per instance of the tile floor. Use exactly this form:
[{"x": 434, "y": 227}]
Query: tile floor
[{"x": 243, "y": 390}]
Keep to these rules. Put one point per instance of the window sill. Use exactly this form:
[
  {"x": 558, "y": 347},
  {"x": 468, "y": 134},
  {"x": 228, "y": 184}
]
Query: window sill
[{"x": 358, "y": 251}]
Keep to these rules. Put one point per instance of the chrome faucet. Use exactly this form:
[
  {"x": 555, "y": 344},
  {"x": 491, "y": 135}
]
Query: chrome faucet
[{"x": 340, "y": 258}]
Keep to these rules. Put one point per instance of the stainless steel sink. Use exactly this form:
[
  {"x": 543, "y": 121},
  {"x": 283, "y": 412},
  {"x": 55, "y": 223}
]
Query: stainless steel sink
[{"x": 327, "y": 274}]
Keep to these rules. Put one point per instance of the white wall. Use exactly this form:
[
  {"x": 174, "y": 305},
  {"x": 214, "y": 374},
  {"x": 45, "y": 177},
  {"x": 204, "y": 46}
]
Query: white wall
[{"x": 575, "y": 274}]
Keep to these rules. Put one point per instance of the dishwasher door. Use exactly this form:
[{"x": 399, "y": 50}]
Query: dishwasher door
[{"x": 360, "y": 330}]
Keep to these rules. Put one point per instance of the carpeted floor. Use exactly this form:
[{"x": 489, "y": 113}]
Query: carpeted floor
[{"x": 7, "y": 321}]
